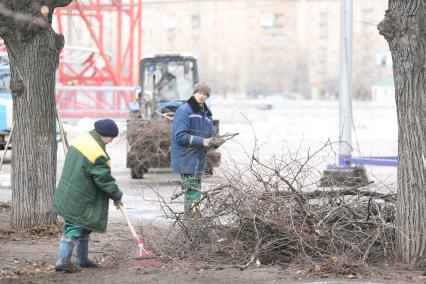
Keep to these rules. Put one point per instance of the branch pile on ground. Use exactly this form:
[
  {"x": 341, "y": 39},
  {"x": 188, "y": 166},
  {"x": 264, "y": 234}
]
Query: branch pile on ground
[
  {"x": 149, "y": 142},
  {"x": 278, "y": 214}
]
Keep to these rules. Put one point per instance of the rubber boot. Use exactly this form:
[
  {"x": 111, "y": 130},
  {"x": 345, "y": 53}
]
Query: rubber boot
[
  {"x": 191, "y": 185},
  {"x": 191, "y": 202},
  {"x": 64, "y": 254},
  {"x": 83, "y": 253}
]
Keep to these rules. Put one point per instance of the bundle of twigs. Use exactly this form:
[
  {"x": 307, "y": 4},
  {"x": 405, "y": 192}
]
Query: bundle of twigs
[
  {"x": 275, "y": 212},
  {"x": 149, "y": 142}
]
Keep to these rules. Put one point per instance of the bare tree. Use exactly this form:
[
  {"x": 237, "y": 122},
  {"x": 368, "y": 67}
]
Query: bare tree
[
  {"x": 404, "y": 29},
  {"x": 33, "y": 49}
]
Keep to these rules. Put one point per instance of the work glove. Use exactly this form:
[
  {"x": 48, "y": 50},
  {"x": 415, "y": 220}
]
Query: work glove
[
  {"x": 117, "y": 198},
  {"x": 118, "y": 203},
  {"x": 117, "y": 195},
  {"x": 207, "y": 142},
  {"x": 217, "y": 142}
]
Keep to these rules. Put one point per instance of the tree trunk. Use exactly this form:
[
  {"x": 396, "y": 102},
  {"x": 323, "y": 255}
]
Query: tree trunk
[
  {"x": 33, "y": 49},
  {"x": 33, "y": 65},
  {"x": 404, "y": 29}
]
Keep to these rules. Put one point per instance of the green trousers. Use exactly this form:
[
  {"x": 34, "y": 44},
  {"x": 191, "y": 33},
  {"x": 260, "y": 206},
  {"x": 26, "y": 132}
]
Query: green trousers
[
  {"x": 191, "y": 185},
  {"x": 74, "y": 231}
]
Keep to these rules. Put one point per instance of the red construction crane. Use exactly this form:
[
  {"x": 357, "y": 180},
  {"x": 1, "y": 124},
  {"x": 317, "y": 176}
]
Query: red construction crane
[
  {"x": 108, "y": 58},
  {"x": 106, "y": 51},
  {"x": 98, "y": 64}
]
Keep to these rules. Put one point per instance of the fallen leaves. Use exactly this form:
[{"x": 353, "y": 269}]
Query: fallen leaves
[
  {"x": 33, "y": 233},
  {"x": 38, "y": 267}
]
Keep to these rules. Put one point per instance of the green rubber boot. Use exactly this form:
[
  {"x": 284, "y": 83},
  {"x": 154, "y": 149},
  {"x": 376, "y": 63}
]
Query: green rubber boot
[
  {"x": 83, "y": 253},
  {"x": 64, "y": 253}
]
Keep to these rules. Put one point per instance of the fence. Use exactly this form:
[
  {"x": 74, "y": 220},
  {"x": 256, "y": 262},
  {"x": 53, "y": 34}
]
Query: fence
[{"x": 95, "y": 101}]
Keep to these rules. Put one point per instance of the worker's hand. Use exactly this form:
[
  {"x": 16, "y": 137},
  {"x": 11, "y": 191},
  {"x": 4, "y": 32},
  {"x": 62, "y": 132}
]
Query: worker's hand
[
  {"x": 217, "y": 142},
  {"x": 207, "y": 142},
  {"x": 118, "y": 203}
]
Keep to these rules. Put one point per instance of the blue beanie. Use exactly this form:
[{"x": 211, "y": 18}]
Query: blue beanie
[{"x": 106, "y": 128}]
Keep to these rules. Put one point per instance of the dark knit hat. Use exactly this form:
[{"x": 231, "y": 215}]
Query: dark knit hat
[
  {"x": 106, "y": 128},
  {"x": 203, "y": 88}
]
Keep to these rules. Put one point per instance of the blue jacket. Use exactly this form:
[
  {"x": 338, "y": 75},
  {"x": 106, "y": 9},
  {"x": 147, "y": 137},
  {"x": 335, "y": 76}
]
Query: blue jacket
[{"x": 191, "y": 125}]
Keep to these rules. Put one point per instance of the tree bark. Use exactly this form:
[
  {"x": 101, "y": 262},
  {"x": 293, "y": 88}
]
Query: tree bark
[
  {"x": 33, "y": 49},
  {"x": 404, "y": 29}
]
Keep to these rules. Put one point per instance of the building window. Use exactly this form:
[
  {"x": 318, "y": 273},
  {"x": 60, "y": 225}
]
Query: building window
[
  {"x": 195, "y": 21},
  {"x": 267, "y": 20},
  {"x": 278, "y": 21},
  {"x": 169, "y": 22},
  {"x": 266, "y": 40},
  {"x": 278, "y": 39},
  {"x": 272, "y": 20}
]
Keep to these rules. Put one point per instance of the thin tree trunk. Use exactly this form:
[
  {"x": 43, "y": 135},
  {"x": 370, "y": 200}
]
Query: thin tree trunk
[
  {"x": 33, "y": 143},
  {"x": 33, "y": 49},
  {"x": 33, "y": 64},
  {"x": 404, "y": 29}
]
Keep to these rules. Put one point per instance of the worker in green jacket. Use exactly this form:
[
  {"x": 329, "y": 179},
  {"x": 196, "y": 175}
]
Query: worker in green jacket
[{"x": 83, "y": 193}]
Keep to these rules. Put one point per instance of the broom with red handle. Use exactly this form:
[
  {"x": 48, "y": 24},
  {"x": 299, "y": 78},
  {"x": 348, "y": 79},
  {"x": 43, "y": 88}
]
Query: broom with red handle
[{"x": 149, "y": 257}]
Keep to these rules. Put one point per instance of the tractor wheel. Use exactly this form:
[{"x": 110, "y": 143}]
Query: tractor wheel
[{"x": 137, "y": 172}]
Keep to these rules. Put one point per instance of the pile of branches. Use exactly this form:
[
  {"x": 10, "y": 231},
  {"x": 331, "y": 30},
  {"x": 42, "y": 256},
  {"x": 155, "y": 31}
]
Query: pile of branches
[
  {"x": 275, "y": 212},
  {"x": 149, "y": 142}
]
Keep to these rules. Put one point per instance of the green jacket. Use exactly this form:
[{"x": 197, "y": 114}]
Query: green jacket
[{"x": 86, "y": 185}]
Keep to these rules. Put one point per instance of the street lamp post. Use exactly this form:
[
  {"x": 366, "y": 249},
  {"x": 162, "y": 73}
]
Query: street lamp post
[
  {"x": 345, "y": 84},
  {"x": 345, "y": 173}
]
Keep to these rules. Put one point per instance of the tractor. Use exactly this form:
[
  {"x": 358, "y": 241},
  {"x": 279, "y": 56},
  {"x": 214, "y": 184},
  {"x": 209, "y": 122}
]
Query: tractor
[{"x": 166, "y": 82}]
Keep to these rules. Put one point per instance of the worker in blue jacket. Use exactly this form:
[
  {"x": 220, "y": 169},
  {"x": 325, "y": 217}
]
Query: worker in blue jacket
[{"x": 192, "y": 135}]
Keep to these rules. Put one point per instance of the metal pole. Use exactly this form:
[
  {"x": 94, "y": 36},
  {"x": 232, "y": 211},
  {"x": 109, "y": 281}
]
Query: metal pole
[
  {"x": 137, "y": 82},
  {"x": 118, "y": 55},
  {"x": 345, "y": 89}
]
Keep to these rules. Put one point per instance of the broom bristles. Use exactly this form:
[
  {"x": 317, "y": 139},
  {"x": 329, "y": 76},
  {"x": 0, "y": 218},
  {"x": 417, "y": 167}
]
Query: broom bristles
[{"x": 144, "y": 257}]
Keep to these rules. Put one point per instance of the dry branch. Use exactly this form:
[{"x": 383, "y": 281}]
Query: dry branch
[{"x": 273, "y": 212}]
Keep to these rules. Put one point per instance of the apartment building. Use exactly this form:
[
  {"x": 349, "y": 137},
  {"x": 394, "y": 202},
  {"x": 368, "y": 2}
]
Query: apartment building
[{"x": 252, "y": 47}]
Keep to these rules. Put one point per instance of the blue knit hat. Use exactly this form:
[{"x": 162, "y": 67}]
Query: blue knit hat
[{"x": 106, "y": 128}]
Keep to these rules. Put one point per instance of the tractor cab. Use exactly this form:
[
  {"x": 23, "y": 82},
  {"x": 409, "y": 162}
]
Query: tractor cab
[{"x": 166, "y": 82}]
